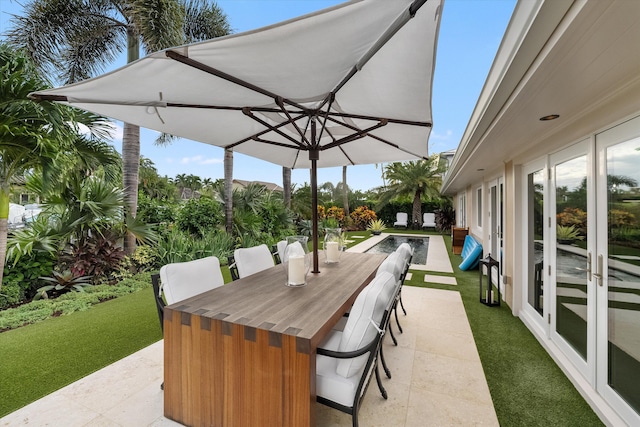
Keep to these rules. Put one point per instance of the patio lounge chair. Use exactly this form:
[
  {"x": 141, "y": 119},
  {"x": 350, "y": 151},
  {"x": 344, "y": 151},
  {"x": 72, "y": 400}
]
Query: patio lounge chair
[
  {"x": 402, "y": 220},
  {"x": 429, "y": 220},
  {"x": 346, "y": 360},
  {"x": 248, "y": 261}
]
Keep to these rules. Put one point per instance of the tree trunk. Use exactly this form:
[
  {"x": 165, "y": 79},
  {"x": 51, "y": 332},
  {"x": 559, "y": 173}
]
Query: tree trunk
[
  {"x": 228, "y": 190},
  {"x": 130, "y": 167},
  {"x": 286, "y": 185},
  {"x": 131, "y": 154},
  {"x": 345, "y": 192},
  {"x": 417, "y": 208},
  {"x": 4, "y": 228}
]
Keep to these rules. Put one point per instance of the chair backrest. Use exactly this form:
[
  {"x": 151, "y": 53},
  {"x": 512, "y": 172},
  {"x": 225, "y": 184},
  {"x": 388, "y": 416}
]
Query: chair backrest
[
  {"x": 429, "y": 219},
  {"x": 365, "y": 317},
  {"x": 405, "y": 252},
  {"x": 279, "y": 251},
  {"x": 394, "y": 263},
  {"x": 183, "y": 280},
  {"x": 402, "y": 217},
  {"x": 252, "y": 260}
]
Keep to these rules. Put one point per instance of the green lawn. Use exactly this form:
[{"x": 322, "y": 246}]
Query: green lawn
[
  {"x": 527, "y": 387},
  {"x": 41, "y": 358}
]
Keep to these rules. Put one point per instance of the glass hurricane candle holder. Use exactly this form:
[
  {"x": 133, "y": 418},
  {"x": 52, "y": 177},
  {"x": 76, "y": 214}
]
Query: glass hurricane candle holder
[
  {"x": 332, "y": 245},
  {"x": 296, "y": 260}
]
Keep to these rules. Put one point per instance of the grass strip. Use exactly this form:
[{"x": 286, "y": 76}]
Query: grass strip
[
  {"x": 526, "y": 385},
  {"x": 41, "y": 358}
]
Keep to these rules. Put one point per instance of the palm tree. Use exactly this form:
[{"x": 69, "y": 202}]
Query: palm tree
[
  {"x": 76, "y": 39},
  {"x": 345, "y": 192},
  {"x": 286, "y": 186},
  {"x": 33, "y": 135},
  {"x": 228, "y": 190},
  {"x": 414, "y": 179}
]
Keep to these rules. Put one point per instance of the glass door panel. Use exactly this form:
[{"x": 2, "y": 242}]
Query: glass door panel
[
  {"x": 571, "y": 252},
  {"x": 623, "y": 269},
  {"x": 535, "y": 239}
]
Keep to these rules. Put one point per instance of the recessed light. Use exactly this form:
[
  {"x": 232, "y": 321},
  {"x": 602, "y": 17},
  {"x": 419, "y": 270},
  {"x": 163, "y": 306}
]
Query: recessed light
[{"x": 549, "y": 117}]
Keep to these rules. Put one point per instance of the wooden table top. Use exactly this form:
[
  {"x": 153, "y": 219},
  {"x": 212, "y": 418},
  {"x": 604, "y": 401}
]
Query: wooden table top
[{"x": 262, "y": 301}]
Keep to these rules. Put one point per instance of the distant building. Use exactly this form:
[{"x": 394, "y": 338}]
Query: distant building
[{"x": 242, "y": 184}]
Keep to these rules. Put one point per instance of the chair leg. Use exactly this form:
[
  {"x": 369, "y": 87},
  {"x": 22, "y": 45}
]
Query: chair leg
[
  {"x": 384, "y": 364},
  {"x": 382, "y": 389},
  {"x": 395, "y": 342},
  {"x": 401, "y": 305},
  {"x": 398, "y": 321}
]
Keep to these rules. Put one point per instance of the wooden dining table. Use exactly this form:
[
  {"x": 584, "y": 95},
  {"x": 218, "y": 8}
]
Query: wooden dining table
[{"x": 244, "y": 354}]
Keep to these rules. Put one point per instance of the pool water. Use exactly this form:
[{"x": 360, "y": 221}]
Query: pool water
[{"x": 420, "y": 246}]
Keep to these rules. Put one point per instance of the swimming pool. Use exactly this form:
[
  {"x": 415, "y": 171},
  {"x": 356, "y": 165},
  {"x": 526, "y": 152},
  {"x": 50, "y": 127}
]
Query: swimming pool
[{"x": 389, "y": 244}]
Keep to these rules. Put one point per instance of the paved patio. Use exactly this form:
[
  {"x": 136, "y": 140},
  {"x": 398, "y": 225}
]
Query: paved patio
[{"x": 437, "y": 378}]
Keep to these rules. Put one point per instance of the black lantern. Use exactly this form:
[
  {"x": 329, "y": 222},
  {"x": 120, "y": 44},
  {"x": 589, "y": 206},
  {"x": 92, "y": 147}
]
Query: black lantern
[{"x": 487, "y": 296}]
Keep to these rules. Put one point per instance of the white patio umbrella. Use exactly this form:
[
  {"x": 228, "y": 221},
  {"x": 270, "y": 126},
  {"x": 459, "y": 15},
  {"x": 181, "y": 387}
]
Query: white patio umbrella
[{"x": 346, "y": 85}]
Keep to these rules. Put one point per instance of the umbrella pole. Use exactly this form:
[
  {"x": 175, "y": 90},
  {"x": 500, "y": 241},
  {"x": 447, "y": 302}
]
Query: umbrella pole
[{"x": 313, "y": 156}]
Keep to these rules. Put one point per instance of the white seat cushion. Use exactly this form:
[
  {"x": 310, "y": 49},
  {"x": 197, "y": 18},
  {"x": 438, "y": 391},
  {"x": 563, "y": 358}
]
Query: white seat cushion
[
  {"x": 331, "y": 385},
  {"x": 183, "y": 280},
  {"x": 252, "y": 260}
]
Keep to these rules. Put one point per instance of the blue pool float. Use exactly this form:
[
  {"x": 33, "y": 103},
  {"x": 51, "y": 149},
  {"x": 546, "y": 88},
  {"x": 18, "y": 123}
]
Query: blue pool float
[{"x": 471, "y": 252}]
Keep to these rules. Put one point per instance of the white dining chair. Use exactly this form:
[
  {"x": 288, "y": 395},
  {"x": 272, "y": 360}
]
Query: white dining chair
[
  {"x": 248, "y": 261},
  {"x": 346, "y": 360},
  {"x": 181, "y": 280}
]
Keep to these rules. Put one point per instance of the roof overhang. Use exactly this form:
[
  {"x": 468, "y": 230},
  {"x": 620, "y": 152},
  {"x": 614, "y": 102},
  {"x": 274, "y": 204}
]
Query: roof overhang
[{"x": 578, "y": 59}]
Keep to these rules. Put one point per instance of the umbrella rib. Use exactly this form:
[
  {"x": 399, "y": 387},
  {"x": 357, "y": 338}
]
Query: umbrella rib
[
  {"x": 397, "y": 146},
  {"x": 228, "y": 107},
  {"x": 249, "y": 138},
  {"x": 213, "y": 71},
  {"x": 394, "y": 121},
  {"x": 359, "y": 134},
  {"x": 248, "y": 113},
  {"x": 279, "y": 144},
  {"x": 280, "y": 102}
]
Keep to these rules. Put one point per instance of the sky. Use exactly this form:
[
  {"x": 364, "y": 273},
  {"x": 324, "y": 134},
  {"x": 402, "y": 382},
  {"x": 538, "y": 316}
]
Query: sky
[{"x": 470, "y": 34}]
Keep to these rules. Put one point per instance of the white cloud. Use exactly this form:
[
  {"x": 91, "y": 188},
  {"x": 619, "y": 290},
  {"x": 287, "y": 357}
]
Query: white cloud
[
  {"x": 442, "y": 137},
  {"x": 200, "y": 160}
]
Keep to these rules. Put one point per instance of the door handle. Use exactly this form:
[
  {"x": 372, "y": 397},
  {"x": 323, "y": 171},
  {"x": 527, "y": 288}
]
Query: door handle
[{"x": 598, "y": 274}]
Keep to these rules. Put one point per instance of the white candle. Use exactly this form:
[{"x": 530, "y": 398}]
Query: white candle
[
  {"x": 332, "y": 252},
  {"x": 296, "y": 270}
]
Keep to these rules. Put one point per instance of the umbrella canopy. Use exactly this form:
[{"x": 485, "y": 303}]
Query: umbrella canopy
[{"x": 346, "y": 85}]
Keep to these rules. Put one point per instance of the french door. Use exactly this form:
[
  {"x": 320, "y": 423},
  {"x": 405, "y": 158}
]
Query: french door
[
  {"x": 496, "y": 206},
  {"x": 582, "y": 257},
  {"x": 617, "y": 268},
  {"x": 571, "y": 223}
]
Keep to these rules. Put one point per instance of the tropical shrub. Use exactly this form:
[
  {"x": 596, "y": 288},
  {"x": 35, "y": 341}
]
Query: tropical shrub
[
  {"x": 96, "y": 256},
  {"x": 155, "y": 211},
  {"x": 568, "y": 233},
  {"x": 321, "y": 213},
  {"x": 200, "y": 216},
  {"x": 376, "y": 226},
  {"x": 573, "y": 217},
  {"x": 62, "y": 282},
  {"x": 445, "y": 217},
  {"x": 621, "y": 218},
  {"x": 625, "y": 236},
  {"x": 361, "y": 216},
  {"x": 179, "y": 246},
  {"x": 336, "y": 213},
  {"x": 21, "y": 279}
]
